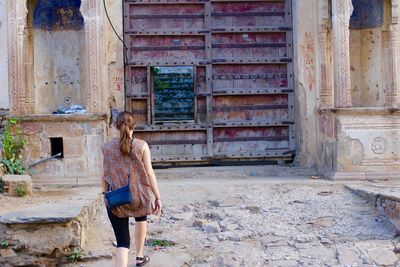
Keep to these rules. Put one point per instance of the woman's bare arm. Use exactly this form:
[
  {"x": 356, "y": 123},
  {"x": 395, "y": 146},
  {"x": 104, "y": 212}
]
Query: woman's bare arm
[
  {"x": 104, "y": 184},
  {"x": 150, "y": 172}
]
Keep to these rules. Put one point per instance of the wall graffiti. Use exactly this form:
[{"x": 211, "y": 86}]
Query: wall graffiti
[
  {"x": 58, "y": 15},
  {"x": 119, "y": 83}
]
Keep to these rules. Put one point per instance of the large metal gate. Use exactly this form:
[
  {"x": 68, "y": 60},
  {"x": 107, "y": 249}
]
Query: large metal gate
[{"x": 224, "y": 70}]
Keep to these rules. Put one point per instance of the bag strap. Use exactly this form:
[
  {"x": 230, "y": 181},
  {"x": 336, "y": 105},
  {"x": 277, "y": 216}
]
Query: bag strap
[{"x": 130, "y": 167}]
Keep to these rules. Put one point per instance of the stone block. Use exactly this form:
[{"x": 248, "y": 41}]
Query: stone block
[
  {"x": 347, "y": 255},
  {"x": 61, "y": 129},
  {"x": 3, "y": 169},
  {"x": 321, "y": 252},
  {"x": 76, "y": 167},
  {"x": 211, "y": 227},
  {"x": 53, "y": 168},
  {"x": 96, "y": 128},
  {"x": 74, "y": 147},
  {"x": 199, "y": 223},
  {"x": 30, "y": 128},
  {"x": 13, "y": 182},
  {"x": 45, "y": 147},
  {"x": 94, "y": 154},
  {"x": 7, "y": 253},
  {"x": 383, "y": 257},
  {"x": 273, "y": 241},
  {"x": 358, "y": 153},
  {"x": 34, "y": 147}
]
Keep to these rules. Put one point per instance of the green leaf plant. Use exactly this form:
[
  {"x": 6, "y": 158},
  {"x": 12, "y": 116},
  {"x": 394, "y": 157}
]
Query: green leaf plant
[{"x": 13, "y": 145}]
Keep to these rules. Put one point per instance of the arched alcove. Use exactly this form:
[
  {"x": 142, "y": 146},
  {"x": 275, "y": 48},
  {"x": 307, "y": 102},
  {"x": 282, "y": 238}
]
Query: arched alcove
[{"x": 63, "y": 49}]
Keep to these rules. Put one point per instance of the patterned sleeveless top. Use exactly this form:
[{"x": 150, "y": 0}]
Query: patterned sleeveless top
[{"x": 116, "y": 169}]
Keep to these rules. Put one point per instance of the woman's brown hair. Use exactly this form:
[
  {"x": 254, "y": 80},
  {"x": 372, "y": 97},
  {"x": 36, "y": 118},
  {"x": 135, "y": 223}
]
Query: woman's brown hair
[{"x": 125, "y": 123}]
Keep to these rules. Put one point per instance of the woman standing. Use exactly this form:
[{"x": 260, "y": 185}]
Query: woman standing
[{"x": 127, "y": 160}]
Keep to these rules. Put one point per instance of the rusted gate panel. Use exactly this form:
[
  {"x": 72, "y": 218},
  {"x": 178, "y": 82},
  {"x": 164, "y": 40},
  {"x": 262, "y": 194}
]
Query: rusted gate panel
[{"x": 242, "y": 84}]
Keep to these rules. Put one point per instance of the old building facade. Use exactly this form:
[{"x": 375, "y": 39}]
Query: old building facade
[{"x": 209, "y": 81}]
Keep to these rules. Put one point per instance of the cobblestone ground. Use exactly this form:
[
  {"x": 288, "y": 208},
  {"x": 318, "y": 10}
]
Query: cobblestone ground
[{"x": 265, "y": 222}]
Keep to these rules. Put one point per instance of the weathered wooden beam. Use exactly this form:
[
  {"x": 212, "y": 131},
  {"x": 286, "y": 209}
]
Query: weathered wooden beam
[
  {"x": 260, "y": 45},
  {"x": 251, "y": 60},
  {"x": 167, "y": 48},
  {"x": 167, "y": 16},
  {"x": 248, "y": 14},
  {"x": 224, "y": 124},
  {"x": 255, "y": 29},
  {"x": 176, "y": 142},
  {"x": 251, "y": 138},
  {"x": 247, "y": 107},
  {"x": 255, "y": 91}
]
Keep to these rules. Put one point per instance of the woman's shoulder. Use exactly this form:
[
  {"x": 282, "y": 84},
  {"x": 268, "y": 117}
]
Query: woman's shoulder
[
  {"x": 139, "y": 146},
  {"x": 139, "y": 142}
]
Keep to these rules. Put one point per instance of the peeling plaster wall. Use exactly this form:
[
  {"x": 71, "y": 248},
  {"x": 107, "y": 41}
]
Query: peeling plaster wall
[
  {"x": 57, "y": 69},
  {"x": 4, "y": 97},
  {"x": 305, "y": 14}
]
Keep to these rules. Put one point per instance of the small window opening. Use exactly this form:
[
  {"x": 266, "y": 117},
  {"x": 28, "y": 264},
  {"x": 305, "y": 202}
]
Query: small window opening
[
  {"x": 57, "y": 147},
  {"x": 174, "y": 98}
]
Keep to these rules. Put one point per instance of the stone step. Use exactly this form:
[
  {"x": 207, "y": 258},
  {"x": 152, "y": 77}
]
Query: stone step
[
  {"x": 386, "y": 197},
  {"x": 50, "y": 230},
  {"x": 65, "y": 181}
]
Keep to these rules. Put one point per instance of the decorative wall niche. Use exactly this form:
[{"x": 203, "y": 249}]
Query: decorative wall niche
[
  {"x": 56, "y": 53},
  {"x": 58, "y": 45}
]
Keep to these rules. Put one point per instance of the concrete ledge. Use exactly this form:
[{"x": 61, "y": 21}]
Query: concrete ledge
[
  {"x": 62, "y": 117},
  {"x": 385, "y": 196},
  {"x": 51, "y": 230},
  {"x": 46, "y": 213}
]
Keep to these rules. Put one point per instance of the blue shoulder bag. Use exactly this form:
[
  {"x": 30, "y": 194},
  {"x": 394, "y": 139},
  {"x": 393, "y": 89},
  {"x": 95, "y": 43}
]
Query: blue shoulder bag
[{"x": 120, "y": 196}]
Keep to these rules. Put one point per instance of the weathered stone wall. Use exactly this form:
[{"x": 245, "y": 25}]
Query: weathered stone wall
[{"x": 4, "y": 98}]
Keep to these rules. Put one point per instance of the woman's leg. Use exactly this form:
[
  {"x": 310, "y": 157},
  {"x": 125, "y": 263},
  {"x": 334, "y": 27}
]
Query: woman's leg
[
  {"x": 140, "y": 234},
  {"x": 121, "y": 231},
  {"x": 121, "y": 257}
]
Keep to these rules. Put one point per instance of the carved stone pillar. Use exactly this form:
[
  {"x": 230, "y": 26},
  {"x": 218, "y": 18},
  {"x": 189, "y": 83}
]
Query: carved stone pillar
[
  {"x": 341, "y": 12},
  {"x": 325, "y": 93},
  {"x": 17, "y": 14},
  {"x": 92, "y": 13},
  {"x": 391, "y": 68}
]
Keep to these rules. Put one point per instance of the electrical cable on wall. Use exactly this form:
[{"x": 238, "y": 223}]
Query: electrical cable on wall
[{"x": 122, "y": 41}]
